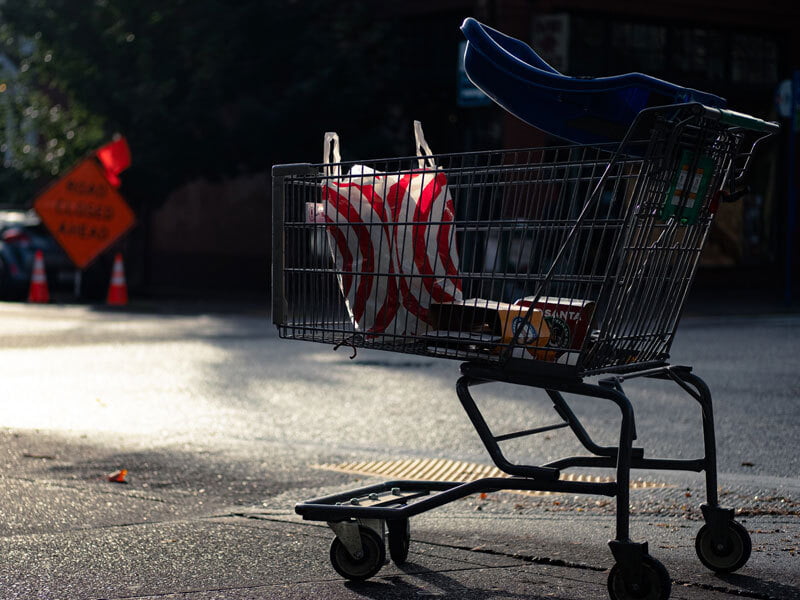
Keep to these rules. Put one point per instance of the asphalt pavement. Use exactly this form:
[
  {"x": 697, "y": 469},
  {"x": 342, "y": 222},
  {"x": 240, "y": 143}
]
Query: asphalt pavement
[
  {"x": 198, "y": 518},
  {"x": 70, "y": 533}
]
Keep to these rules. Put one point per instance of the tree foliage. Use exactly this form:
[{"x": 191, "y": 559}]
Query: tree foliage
[{"x": 201, "y": 88}]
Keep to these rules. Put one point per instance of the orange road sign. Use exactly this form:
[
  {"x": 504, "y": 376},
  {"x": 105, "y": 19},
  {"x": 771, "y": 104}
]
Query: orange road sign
[{"x": 84, "y": 212}]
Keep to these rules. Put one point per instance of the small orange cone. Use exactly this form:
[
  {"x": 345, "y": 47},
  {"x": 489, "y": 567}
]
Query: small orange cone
[
  {"x": 118, "y": 476},
  {"x": 38, "y": 291},
  {"x": 118, "y": 290}
]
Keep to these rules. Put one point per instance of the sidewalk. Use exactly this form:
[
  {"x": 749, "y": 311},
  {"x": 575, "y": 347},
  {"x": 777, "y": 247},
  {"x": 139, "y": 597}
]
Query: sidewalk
[{"x": 70, "y": 536}]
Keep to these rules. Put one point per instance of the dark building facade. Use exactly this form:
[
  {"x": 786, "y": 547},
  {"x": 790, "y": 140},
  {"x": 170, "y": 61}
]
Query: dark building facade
[{"x": 736, "y": 49}]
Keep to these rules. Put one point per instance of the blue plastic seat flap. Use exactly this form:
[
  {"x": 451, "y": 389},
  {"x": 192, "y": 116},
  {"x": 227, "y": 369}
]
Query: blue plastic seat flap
[{"x": 580, "y": 110}]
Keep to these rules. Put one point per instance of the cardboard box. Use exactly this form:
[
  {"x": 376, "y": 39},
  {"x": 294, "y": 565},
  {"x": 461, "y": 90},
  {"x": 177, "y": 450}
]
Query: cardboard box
[
  {"x": 500, "y": 319},
  {"x": 568, "y": 319}
]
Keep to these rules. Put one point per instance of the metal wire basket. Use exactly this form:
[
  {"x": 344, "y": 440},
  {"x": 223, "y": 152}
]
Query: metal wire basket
[{"x": 565, "y": 261}]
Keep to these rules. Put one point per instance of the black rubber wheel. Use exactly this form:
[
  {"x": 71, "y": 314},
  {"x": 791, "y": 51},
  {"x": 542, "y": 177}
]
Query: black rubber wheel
[
  {"x": 655, "y": 583},
  {"x": 728, "y": 556},
  {"x": 359, "y": 569},
  {"x": 399, "y": 539}
]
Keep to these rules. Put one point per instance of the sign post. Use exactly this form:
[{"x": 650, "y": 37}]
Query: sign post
[
  {"x": 791, "y": 216},
  {"x": 84, "y": 212}
]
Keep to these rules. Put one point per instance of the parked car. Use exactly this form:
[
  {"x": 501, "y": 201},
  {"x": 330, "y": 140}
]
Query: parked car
[{"x": 22, "y": 233}]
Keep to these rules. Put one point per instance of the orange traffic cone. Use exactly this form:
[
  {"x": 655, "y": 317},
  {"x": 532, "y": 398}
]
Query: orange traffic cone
[
  {"x": 118, "y": 290},
  {"x": 38, "y": 291}
]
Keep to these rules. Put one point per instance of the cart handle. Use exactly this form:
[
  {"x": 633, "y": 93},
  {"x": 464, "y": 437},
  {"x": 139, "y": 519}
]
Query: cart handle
[{"x": 737, "y": 119}]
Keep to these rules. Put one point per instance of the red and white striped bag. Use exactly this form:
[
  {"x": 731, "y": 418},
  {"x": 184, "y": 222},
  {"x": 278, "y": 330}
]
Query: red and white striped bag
[
  {"x": 392, "y": 240},
  {"x": 361, "y": 244},
  {"x": 424, "y": 236}
]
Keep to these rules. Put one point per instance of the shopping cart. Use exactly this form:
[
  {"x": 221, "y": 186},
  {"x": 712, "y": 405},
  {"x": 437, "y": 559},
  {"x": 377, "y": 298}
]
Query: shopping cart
[{"x": 542, "y": 267}]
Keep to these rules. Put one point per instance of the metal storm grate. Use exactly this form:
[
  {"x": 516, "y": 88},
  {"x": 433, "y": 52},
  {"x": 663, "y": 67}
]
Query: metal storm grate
[{"x": 439, "y": 469}]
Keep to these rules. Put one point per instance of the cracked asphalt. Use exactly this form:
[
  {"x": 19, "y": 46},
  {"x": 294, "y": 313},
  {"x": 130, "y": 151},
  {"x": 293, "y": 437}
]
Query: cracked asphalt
[{"x": 221, "y": 427}]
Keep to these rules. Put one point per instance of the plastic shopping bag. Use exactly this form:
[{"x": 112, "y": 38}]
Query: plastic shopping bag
[
  {"x": 392, "y": 240},
  {"x": 361, "y": 245},
  {"x": 422, "y": 209}
]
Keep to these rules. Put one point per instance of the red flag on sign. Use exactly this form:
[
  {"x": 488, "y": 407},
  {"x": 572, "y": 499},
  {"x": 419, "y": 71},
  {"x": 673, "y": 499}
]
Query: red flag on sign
[{"x": 115, "y": 158}]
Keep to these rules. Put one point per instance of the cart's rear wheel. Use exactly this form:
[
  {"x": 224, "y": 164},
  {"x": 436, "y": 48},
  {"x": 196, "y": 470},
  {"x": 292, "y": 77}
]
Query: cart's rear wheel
[
  {"x": 368, "y": 564},
  {"x": 729, "y": 554},
  {"x": 654, "y": 583},
  {"x": 399, "y": 539}
]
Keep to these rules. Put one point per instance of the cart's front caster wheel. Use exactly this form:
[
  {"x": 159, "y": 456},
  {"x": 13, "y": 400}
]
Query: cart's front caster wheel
[
  {"x": 727, "y": 554},
  {"x": 653, "y": 584},
  {"x": 399, "y": 539},
  {"x": 373, "y": 556}
]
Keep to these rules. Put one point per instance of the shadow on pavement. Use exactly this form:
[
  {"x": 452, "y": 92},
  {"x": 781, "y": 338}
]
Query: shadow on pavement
[
  {"x": 763, "y": 589},
  {"x": 432, "y": 584}
]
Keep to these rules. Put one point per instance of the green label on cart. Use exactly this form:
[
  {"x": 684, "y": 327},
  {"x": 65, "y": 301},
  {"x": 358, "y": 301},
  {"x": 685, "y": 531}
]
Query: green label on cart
[{"x": 688, "y": 190}]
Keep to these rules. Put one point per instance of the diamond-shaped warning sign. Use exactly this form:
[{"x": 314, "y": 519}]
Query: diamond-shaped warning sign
[{"x": 84, "y": 212}]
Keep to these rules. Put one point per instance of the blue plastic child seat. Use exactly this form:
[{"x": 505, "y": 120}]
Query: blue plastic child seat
[{"x": 581, "y": 110}]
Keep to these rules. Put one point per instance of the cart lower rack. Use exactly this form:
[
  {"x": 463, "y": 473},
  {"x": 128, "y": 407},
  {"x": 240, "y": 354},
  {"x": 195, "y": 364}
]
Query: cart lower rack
[{"x": 542, "y": 267}]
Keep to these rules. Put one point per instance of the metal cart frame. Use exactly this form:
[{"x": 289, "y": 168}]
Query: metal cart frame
[{"x": 632, "y": 341}]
